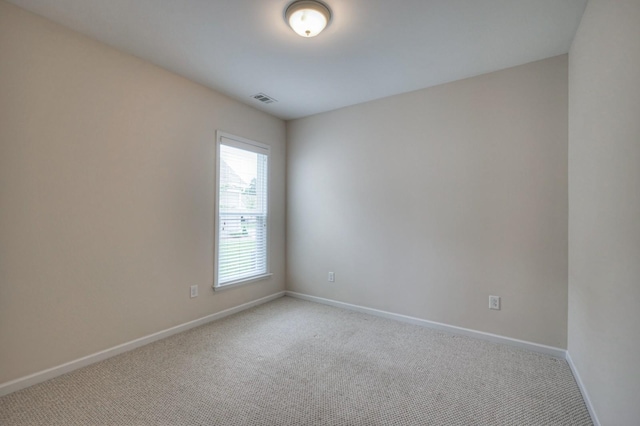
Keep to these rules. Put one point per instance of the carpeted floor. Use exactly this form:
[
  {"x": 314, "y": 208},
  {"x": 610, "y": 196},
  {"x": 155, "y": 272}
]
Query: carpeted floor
[{"x": 292, "y": 362}]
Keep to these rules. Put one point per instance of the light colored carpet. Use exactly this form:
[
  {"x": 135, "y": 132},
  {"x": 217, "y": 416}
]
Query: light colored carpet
[{"x": 291, "y": 362}]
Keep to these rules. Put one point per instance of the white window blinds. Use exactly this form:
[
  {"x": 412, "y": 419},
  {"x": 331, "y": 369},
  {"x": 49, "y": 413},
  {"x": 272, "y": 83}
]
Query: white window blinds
[{"x": 242, "y": 210}]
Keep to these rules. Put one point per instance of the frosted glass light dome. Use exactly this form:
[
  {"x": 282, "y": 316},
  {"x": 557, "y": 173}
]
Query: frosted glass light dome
[{"x": 307, "y": 18}]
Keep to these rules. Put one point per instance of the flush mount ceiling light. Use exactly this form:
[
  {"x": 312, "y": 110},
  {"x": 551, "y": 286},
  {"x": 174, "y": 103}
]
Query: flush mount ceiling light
[{"x": 307, "y": 17}]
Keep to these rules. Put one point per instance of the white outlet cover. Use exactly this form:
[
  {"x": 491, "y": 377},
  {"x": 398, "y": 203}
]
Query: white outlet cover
[
  {"x": 194, "y": 291},
  {"x": 332, "y": 277},
  {"x": 494, "y": 302}
]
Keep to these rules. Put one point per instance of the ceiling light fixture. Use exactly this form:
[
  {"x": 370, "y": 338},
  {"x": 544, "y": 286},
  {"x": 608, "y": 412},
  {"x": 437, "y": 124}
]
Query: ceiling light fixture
[{"x": 307, "y": 17}]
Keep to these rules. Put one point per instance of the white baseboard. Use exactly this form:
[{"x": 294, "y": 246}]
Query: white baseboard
[
  {"x": 583, "y": 390},
  {"x": 41, "y": 376},
  {"x": 534, "y": 347},
  {"x": 50, "y": 373},
  {"x": 495, "y": 338}
]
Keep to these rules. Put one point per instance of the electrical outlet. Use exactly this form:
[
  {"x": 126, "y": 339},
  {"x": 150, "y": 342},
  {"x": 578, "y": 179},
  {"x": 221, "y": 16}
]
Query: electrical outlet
[
  {"x": 194, "y": 291},
  {"x": 332, "y": 277},
  {"x": 494, "y": 302}
]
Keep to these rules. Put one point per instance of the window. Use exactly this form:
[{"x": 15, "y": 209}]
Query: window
[{"x": 242, "y": 220}]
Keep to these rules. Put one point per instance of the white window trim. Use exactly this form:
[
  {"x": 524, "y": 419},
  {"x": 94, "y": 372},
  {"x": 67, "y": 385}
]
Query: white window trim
[
  {"x": 260, "y": 148},
  {"x": 238, "y": 283}
]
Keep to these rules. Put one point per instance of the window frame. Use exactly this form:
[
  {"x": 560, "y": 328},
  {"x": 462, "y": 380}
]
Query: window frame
[{"x": 258, "y": 148}]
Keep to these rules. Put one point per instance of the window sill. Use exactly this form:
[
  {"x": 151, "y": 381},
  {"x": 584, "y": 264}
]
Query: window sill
[{"x": 238, "y": 283}]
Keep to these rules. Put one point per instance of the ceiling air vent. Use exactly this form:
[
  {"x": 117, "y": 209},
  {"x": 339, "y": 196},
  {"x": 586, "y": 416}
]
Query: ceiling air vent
[{"x": 264, "y": 98}]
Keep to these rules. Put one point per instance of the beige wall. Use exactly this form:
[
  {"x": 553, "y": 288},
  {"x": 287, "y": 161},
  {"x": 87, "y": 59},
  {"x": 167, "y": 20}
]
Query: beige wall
[
  {"x": 604, "y": 208},
  {"x": 426, "y": 203},
  {"x": 106, "y": 195}
]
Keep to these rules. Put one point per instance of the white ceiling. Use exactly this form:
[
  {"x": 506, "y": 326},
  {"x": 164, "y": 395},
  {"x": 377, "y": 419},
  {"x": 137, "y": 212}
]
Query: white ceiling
[{"x": 371, "y": 49}]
